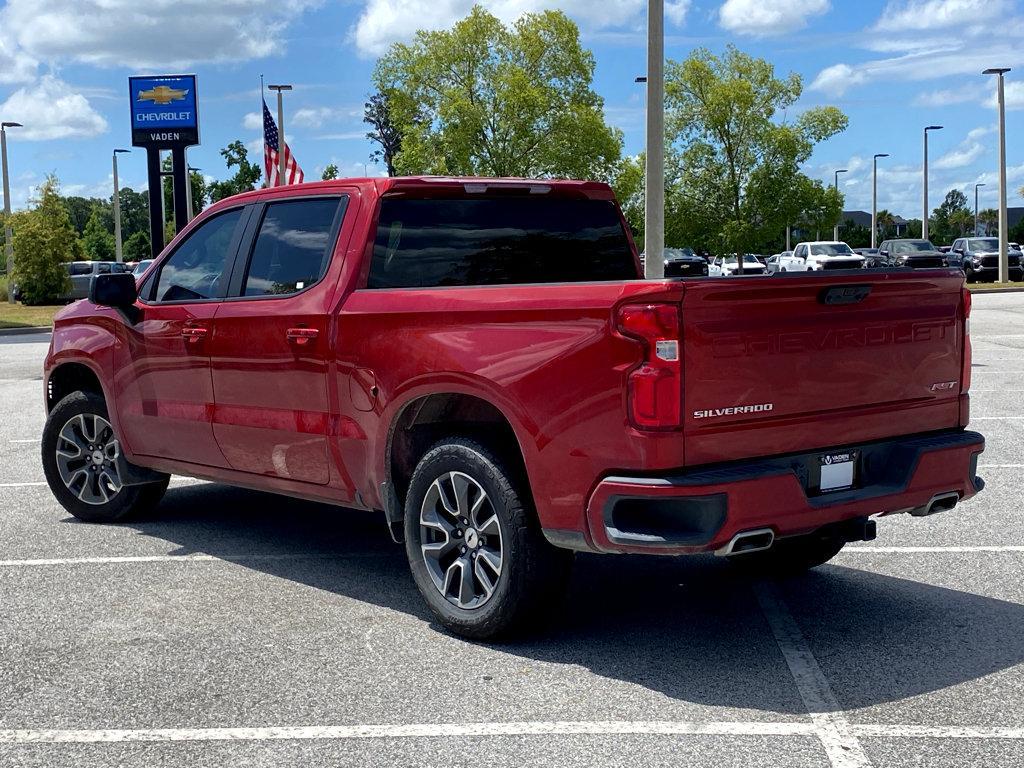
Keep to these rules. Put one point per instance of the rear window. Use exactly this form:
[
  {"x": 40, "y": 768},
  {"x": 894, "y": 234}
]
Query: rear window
[{"x": 437, "y": 242}]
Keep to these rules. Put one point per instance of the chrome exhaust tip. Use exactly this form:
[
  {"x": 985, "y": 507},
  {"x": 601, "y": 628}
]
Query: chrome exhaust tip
[{"x": 748, "y": 542}]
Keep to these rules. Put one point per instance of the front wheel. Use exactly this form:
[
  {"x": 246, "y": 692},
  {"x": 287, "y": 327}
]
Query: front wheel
[
  {"x": 84, "y": 466},
  {"x": 792, "y": 555},
  {"x": 475, "y": 549}
]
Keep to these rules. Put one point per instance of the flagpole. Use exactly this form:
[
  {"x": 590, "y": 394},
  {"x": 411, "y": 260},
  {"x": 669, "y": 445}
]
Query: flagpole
[
  {"x": 266, "y": 181},
  {"x": 281, "y": 143}
]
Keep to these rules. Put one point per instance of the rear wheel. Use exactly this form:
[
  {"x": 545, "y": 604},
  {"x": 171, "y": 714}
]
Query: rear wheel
[
  {"x": 84, "y": 465},
  {"x": 791, "y": 555},
  {"x": 475, "y": 549}
]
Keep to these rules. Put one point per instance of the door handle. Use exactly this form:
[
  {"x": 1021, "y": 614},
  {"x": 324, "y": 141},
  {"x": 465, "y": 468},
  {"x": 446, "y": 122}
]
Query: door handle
[
  {"x": 193, "y": 334},
  {"x": 302, "y": 336}
]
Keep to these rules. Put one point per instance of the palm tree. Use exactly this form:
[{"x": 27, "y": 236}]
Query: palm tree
[
  {"x": 989, "y": 217},
  {"x": 885, "y": 220}
]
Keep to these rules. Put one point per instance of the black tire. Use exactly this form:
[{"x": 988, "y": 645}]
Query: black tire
[
  {"x": 792, "y": 555},
  {"x": 534, "y": 574},
  {"x": 126, "y": 502}
]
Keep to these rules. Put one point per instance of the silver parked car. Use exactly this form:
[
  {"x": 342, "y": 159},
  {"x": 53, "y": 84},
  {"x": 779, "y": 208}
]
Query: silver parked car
[{"x": 81, "y": 276}]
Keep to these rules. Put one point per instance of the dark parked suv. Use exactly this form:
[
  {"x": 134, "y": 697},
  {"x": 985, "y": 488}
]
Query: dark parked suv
[
  {"x": 980, "y": 258},
  {"x": 919, "y": 254}
]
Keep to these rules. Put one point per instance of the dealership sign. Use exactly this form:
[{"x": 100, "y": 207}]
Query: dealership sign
[{"x": 165, "y": 111}]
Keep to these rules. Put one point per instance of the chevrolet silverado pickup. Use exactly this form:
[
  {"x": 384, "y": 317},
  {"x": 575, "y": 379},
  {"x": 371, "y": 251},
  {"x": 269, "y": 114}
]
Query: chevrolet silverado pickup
[{"x": 480, "y": 361}]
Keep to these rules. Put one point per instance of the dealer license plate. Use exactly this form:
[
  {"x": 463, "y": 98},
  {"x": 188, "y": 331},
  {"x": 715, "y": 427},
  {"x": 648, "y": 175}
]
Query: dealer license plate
[{"x": 838, "y": 471}]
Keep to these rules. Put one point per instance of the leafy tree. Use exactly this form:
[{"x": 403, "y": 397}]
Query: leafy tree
[
  {"x": 738, "y": 162},
  {"x": 961, "y": 222},
  {"x": 44, "y": 242},
  {"x": 134, "y": 212},
  {"x": 245, "y": 178},
  {"x": 628, "y": 183},
  {"x": 331, "y": 172},
  {"x": 80, "y": 210},
  {"x": 855, "y": 235},
  {"x": 886, "y": 223},
  {"x": 989, "y": 218},
  {"x": 483, "y": 99},
  {"x": 137, "y": 247},
  {"x": 821, "y": 206},
  {"x": 944, "y": 227},
  {"x": 913, "y": 229},
  {"x": 378, "y": 114},
  {"x": 98, "y": 243}
]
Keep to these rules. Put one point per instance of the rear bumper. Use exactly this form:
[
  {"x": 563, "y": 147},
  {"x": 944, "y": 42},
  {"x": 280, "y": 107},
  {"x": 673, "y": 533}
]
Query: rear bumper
[{"x": 702, "y": 510}]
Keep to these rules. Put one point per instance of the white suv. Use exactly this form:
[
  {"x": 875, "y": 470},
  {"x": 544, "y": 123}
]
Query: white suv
[{"x": 828, "y": 255}]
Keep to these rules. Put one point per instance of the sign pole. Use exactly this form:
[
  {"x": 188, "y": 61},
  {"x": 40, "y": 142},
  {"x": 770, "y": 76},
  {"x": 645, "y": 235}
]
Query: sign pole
[
  {"x": 156, "y": 201},
  {"x": 180, "y": 182}
]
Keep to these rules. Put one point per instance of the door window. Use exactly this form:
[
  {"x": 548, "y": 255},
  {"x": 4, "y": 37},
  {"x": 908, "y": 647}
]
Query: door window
[
  {"x": 103, "y": 268},
  {"x": 196, "y": 268},
  {"x": 293, "y": 247}
]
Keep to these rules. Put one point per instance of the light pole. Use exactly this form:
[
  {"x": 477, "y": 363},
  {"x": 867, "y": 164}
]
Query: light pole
[
  {"x": 835, "y": 186},
  {"x": 281, "y": 178},
  {"x": 654, "y": 178},
  {"x": 924, "y": 213},
  {"x": 118, "y": 253},
  {"x": 189, "y": 170},
  {"x": 874, "y": 196},
  {"x": 1004, "y": 234},
  {"x": 8, "y": 235},
  {"x": 979, "y": 184}
]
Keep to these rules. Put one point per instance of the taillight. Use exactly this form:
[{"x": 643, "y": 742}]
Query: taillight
[
  {"x": 965, "y": 373},
  {"x": 655, "y": 387}
]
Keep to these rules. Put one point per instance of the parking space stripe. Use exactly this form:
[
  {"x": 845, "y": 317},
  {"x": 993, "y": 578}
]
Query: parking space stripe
[
  {"x": 183, "y": 558},
  {"x": 831, "y": 726},
  {"x": 937, "y": 549},
  {"x": 176, "y": 481},
  {"x": 497, "y": 729}
]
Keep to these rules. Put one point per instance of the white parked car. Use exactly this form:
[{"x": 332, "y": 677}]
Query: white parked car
[
  {"x": 785, "y": 262},
  {"x": 726, "y": 266},
  {"x": 828, "y": 255}
]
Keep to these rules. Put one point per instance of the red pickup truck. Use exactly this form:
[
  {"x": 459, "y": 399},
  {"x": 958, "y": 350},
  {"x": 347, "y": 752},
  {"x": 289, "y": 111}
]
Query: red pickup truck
[{"x": 481, "y": 361}]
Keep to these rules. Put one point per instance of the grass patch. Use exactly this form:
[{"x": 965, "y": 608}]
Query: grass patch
[
  {"x": 19, "y": 316},
  {"x": 983, "y": 287}
]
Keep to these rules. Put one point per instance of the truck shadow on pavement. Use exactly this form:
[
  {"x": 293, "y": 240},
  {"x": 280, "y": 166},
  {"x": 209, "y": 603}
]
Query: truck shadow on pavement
[{"x": 689, "y": 628}]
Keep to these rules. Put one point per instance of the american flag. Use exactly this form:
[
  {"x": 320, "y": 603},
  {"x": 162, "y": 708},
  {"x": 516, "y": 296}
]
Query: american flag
[{"x": 293, "y": 174}]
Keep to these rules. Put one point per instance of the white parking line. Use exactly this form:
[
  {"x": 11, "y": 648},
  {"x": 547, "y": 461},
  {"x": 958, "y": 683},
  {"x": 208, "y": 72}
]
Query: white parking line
[
  {"x": 1005, "y": 419},
  {"x": 176, "y": 481},
  {"x": 497, "y": 729},
  {"x": 184, "y": 558},
  {"x": 25, "y": 440},
  {"x": 831, "y": 727},
  {"x": 937, "y": 549},
  {"x": 994, "y": 467}
]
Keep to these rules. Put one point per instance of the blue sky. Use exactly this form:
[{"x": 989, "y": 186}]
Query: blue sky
[{"x": 893, "y": 66}]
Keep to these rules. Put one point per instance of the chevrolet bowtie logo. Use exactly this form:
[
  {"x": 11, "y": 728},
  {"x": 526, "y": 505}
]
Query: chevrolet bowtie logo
[{"x": 162, "y": 94}]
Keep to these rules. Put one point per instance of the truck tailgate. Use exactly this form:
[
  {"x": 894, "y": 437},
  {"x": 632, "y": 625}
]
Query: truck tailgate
[{"x": 772, "y": 366}]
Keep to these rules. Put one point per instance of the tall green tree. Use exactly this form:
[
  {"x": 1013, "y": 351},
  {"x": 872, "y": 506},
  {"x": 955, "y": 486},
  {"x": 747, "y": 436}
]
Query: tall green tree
[
  {"x": 98, "y": 243},
  {"x": 485, "y": 99},
  {"x": 44, "y": 242},
  {"x": 384, "y": 132},
  {"x": 737, "y": 157},
  {"x": 989, "y": 219},
  {"x": 331, "y": 172},
  {"x": 946, "y": 223},
  {"x": 245, "y": 178},
  {"x": 886, "y": 223},
  {"x": 136, "y": 248}
]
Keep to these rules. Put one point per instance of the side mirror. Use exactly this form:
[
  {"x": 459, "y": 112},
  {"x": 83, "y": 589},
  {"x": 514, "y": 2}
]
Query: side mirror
[
  {"x": 883, "y": 252},
  {"x": 117, "y": 290}
]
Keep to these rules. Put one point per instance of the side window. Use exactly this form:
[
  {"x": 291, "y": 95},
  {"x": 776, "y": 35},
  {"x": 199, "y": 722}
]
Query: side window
[
  {"x": 293, "y": 247},
  {"x": 103, "y": 268},
  {"x": 196, "y": 268},
  {"x": 81, "y": 268}
]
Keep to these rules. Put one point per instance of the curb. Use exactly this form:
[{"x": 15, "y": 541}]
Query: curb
[
  {"x": 26, "y": 330},
  {"x": 1014, "y": 290}
]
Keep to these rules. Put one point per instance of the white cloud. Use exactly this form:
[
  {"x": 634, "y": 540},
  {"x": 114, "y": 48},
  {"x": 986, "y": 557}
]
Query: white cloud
[
  {"x": 50, "y": 109},
  {"x": 962, "y": 156},
  {"x": 762, "y": 19},
  {"x": 166, "y": 33},
  {"x": 1013, "y": 94},
  {"x": 930, "y": 15},
  {"x": 317, "y": 117},
  {"x": 383, "y": 22},
  {"x": 252, "y": 121},
  {"x": 836, "y": 79},
  {"x": 15, "y": 65},
  {"x": 976, "y": 133},
  {"x": 945, "y": 97}
]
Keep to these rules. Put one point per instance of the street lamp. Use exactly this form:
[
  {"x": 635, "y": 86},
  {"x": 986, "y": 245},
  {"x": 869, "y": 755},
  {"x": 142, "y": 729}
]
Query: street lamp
[
  {"x": 979, "y": 184},
  {"x": 835, "y": 185},
  {"x": 924, "y": 217},
  {"x": 654, "y": 178},
  {"x": 189, "y": 170},
  {"x": 874, "y": 195},
  {"x": 281, "y": 178},
  {"x": 118, "y": 254},
  {"x": 8, "y": 235},
  {"x": 1004, "y": 235}
]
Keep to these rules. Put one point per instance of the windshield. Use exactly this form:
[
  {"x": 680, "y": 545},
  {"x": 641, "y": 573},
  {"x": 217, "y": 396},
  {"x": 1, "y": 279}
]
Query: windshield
[
  {"x": 983, "y": 244},
  {"x": 911, "y": 246},
  {"x": 831, "y": 249},
  {"x": 678, "y": 253}
]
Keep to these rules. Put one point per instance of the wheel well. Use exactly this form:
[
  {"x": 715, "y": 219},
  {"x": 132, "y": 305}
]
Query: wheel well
[
  {"x": 68, "y": 378},
  {"x": 429, "y": 419}
]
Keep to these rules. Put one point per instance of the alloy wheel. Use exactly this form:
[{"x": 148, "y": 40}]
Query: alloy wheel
[
  {"x": 460, "y": 538},
  {"x": 87, "y": 459}
]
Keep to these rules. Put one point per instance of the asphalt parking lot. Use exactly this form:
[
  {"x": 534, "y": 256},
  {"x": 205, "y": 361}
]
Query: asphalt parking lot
[{"x": 233, "y": 627}]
